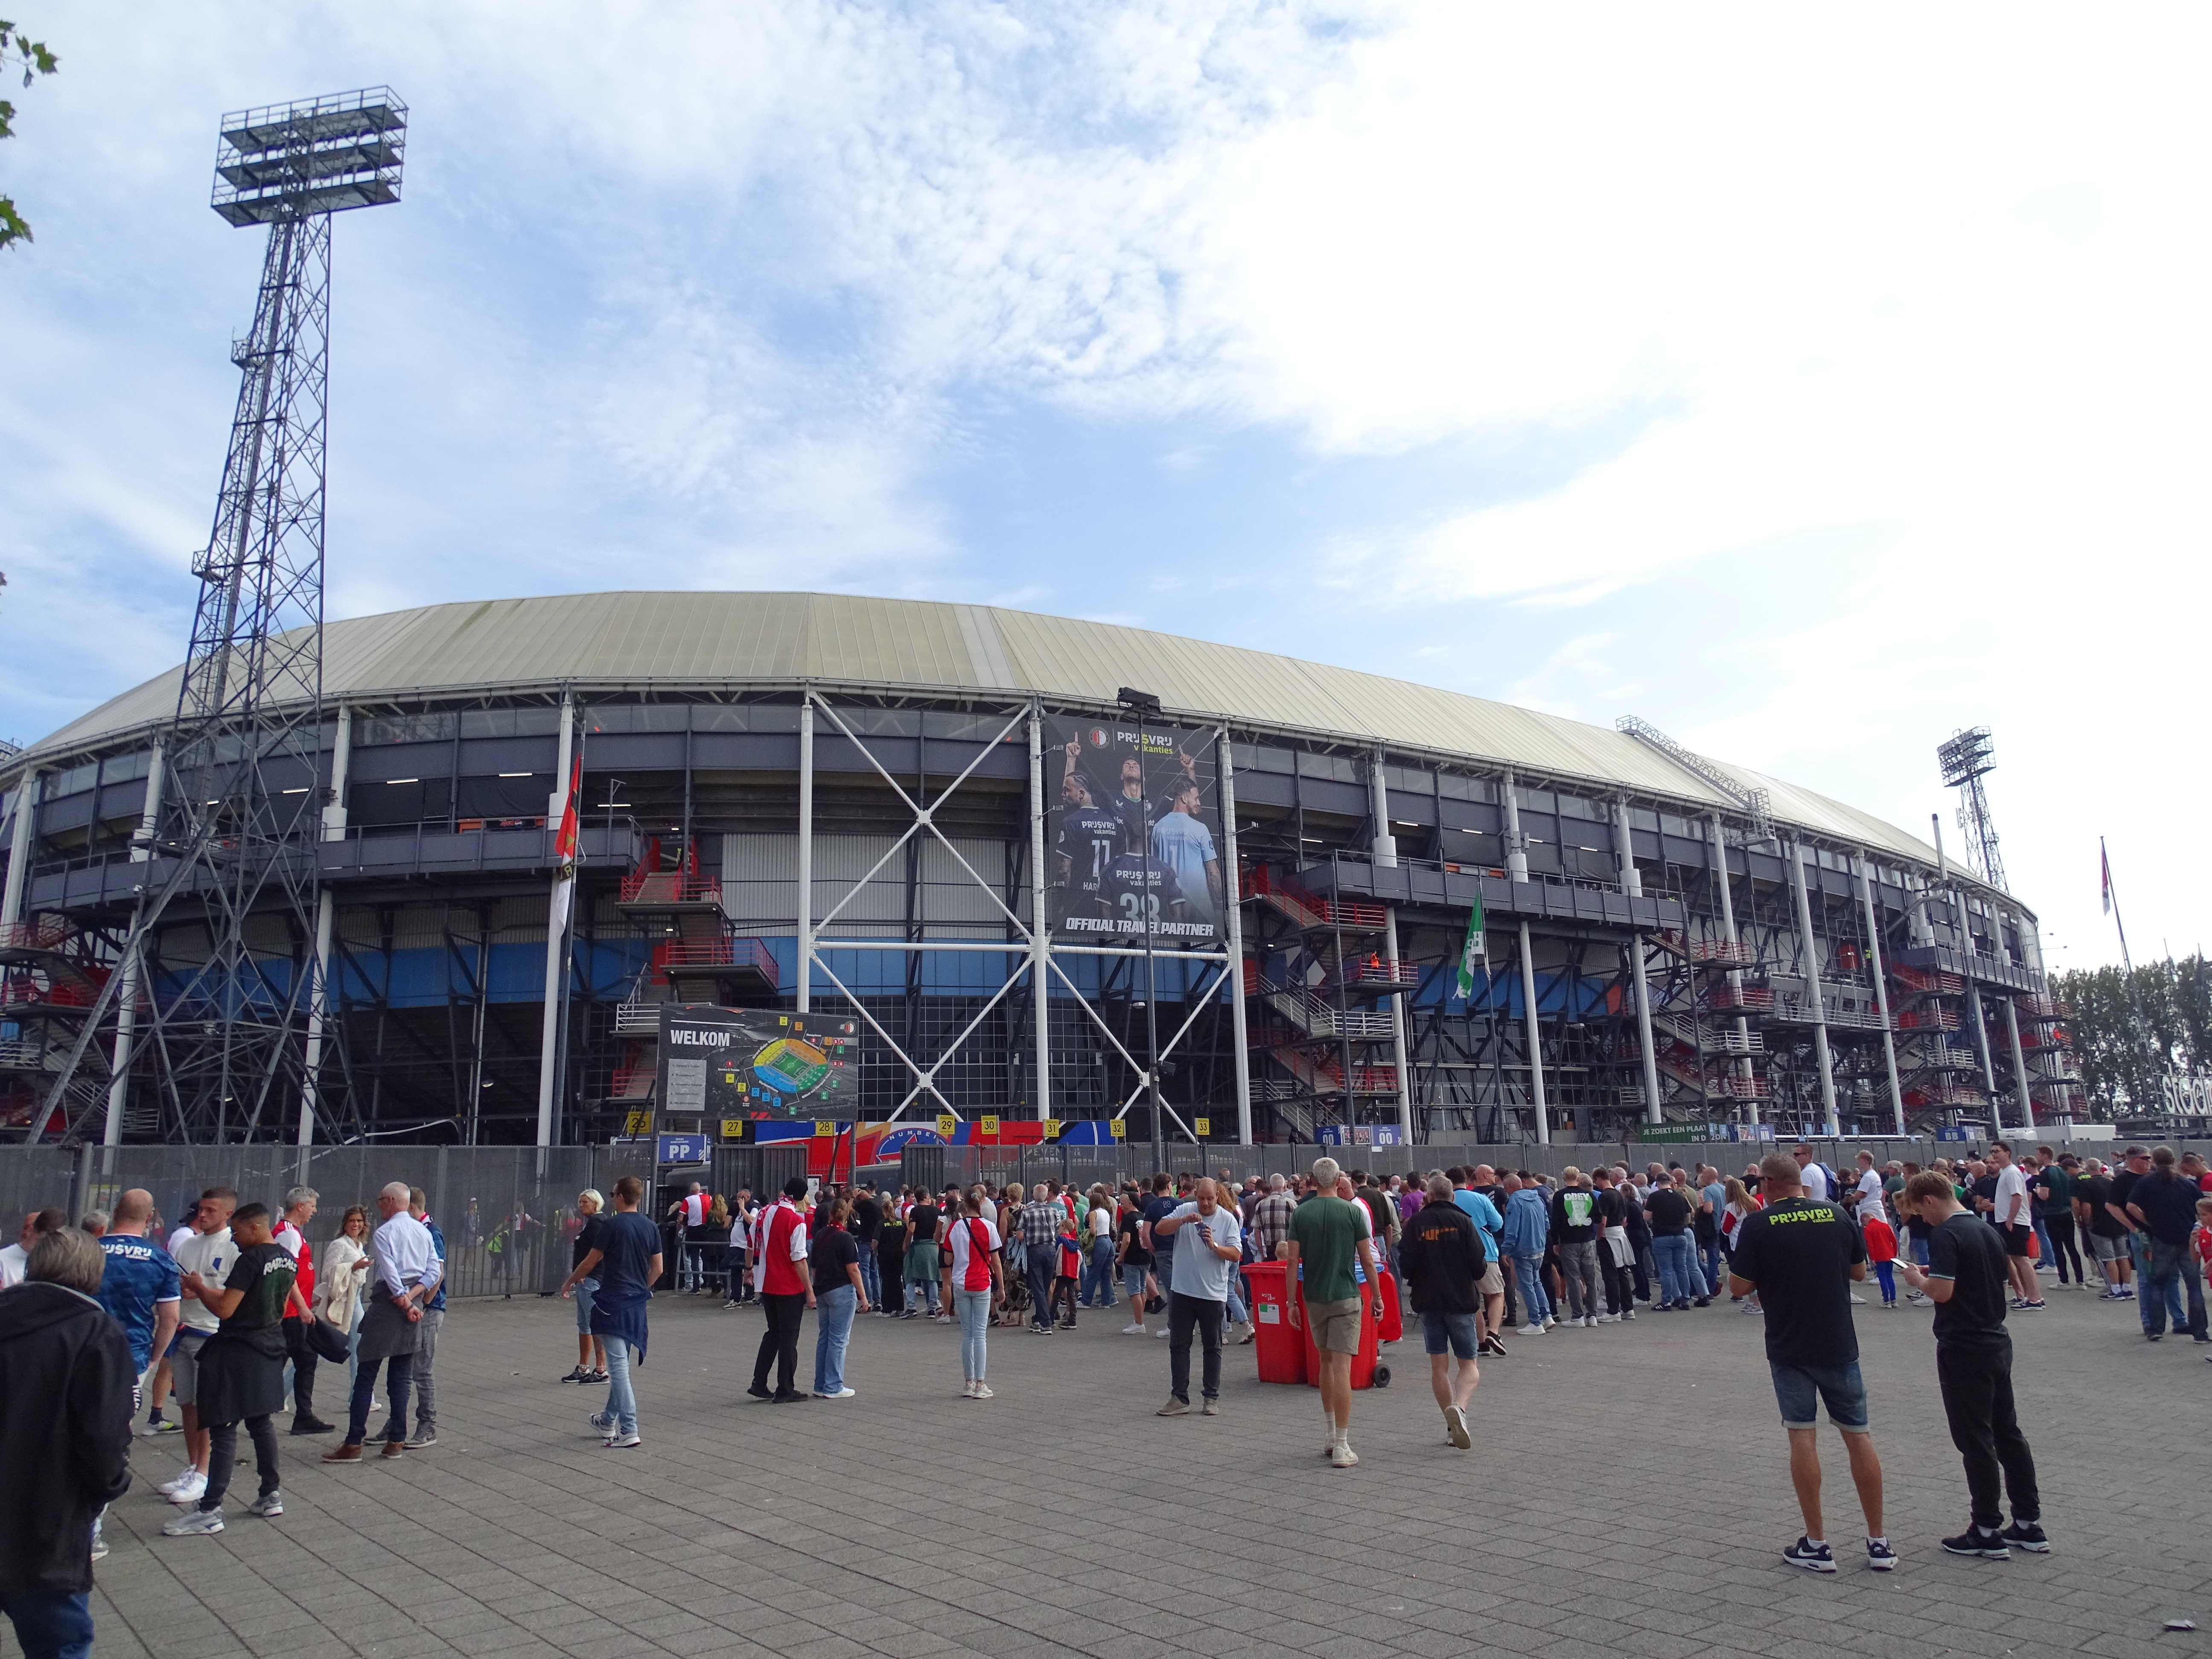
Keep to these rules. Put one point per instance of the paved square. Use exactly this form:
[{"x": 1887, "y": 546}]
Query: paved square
[{"x": 1627, "y": 1494}]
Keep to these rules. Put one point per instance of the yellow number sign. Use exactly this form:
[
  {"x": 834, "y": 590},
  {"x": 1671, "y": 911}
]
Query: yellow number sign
[
  {"x": 824, "y": 1126},
  {"x": 1120, "y": 1130},
  {"x": 947, "y": 1125},
  {"x": 638, "y": 1123},
  {"x": 733, "y": 1128},
  {"x": 1203, "y": 1126},
  {"x": 990, "y": 1125},
  {"x": 1051, "y": 1129}
]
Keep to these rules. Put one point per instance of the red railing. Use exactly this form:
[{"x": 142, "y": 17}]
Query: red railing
[
  {"x": 1308, "y": 911},
  {"x": 1742, "y": 1088},
  {"x": 632, "y": 1083},
  {"x": 38, "y": 933},
  {"x": 1747, "y": 999},
  {"x": 670, "y": 887},
  {"x": 1382, "y": 975},
  {"x": 2042, "y": 1008},
  {"x": 1927, "y": 981},
  {"x": 19, "y": 992},
  {"x": 735, "y": 953},
  {"x": 1719, "y": 953},
  {"x": 1928, "y": 1019}
]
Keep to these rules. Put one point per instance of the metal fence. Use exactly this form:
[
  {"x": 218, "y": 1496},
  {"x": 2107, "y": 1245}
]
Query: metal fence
[
  {"x": 508, "y": 1212},
  {"x": 933, "y": 1167}
]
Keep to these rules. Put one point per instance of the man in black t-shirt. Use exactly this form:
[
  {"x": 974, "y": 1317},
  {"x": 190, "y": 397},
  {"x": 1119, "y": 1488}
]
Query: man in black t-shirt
[
  {"x": 1967, "y": 1279},
  {"x": 2165, "y": 1204},
  {"x": 1680, "y": 1285},
  {"x": 1799, "y": 1258},
  {"x": 866, "y": 1227},
  {"x": 2101, "y": 1232}
]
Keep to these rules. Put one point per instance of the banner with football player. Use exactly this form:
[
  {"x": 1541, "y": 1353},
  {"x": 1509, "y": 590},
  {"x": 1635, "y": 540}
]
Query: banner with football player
[{"x": 1133, "y": 843}]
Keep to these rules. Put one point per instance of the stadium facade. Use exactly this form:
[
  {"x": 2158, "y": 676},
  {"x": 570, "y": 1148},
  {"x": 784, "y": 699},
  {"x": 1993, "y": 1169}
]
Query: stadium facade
[{"x": 1024, "y": 882}]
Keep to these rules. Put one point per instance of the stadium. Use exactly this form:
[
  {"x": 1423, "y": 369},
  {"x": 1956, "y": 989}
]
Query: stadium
[{"x": 1064, "y": 880}]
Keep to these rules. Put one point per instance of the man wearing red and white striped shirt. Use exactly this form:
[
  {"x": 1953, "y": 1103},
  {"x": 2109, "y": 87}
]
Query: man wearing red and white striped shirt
[{"x": 787, "y": 1289}]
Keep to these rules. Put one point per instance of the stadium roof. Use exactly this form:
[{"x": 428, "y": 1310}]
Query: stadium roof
[{"x": 632, "y": 639}]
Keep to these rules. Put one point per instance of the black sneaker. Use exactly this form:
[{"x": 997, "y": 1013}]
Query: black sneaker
[
  {"x": 2027, "y": 1535},
  {"x": 1975, "y": 1541},
  {"x": 1703, "y": 1302},
  {"x": 1879, "y": 1556},
  {"x": 761, "y": 1391},
  {"x": 1814, "y": 1558}
]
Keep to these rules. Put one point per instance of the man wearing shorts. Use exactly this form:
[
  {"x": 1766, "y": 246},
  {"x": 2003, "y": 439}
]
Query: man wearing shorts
[
  {"x": 2015, "y": 1220},
  {"x": 1327, "y": 1236},
  {"x": 1445, "y": 1257},
  {"x": 209, "y": 1254},
  {"x": 1799, "y": 1258}
]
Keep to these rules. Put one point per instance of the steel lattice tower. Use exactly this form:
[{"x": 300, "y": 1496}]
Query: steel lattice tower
[
  {"x": 226, "y": 1008},
  {"x": 1966, "y": 758}
]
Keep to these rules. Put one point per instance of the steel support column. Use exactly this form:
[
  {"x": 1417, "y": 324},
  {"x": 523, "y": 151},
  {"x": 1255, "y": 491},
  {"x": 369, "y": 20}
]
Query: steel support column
[
  {"x": 1386, "y": 857},
  {"x": 28, "y": 790},
  {"x": 1232, "y": 893},
  {"x": 131, "y": 968},
  {"x": 1808, "y": 960},
  {"x": 1040, "y": 936},
  {"x": 805, "y": 906},
  {"x": 1881, "y": 992},
  {"x": 1632, "y": 884},
  {"x": 318, "y": 994},
  {"x": 1742, "y": 1064},
  {"x": 1516, "y": 869},
  {"x": 549, "y": 1048}
]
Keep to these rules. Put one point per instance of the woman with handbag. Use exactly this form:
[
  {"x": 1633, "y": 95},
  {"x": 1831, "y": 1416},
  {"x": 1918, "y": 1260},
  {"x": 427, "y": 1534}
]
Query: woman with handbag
[
  {"x": 972, "y": 1286},
  {"x": 338, "y": 1280}
]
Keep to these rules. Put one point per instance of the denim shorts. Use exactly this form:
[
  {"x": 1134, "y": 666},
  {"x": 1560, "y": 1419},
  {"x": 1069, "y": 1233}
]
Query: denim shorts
[
  {"x": 1455, "y": 1330},
  {"x": 1133, "y": 1282},
  {"x": 1800, "y": 1390}
]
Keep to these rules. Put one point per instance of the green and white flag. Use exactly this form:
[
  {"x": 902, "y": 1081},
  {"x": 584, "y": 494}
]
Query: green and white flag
[{"x": 1471, "y": 952}]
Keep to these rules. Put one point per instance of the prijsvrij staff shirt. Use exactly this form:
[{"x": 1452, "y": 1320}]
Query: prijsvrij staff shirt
[{"x": 1800, "y": 1254}]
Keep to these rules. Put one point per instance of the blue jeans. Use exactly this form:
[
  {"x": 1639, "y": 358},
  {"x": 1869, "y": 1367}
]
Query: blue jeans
[
  {"x": 1098, "y": 1274},
  {"x": 2170, "y": 1268},
  {"x": 1711, "y": 1264},
  {"x": 399, "y": 1368},
  {"x": 833, "y": 1331},
  {"x": 1677, "y": 1258},
  {"x": 1536, "y": 1301},
  {"x": 2139, "y": 1249},
  {"x": 621, "y": 1398},
  {"x": 582, "y": 1292},
  {"x": 974, "y": 1307},
  {"x": 871, "y": 1276},
  {"x": 50, "y": 1626}
]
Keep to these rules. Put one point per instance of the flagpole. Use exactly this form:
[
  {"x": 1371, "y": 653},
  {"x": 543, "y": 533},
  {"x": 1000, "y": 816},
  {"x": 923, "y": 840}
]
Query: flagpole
[{"x": 2113, "y": 904}]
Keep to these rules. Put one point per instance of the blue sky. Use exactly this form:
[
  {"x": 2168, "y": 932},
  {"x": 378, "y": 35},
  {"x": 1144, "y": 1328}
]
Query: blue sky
[{"x": 1810, "y": 387}]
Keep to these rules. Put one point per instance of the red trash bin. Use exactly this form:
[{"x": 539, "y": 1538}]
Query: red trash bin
[
  {"x": 1282, "y": 1347},
  {"x": 1394, "y": 1319},
  {"x": 1363, "y": 1363}
]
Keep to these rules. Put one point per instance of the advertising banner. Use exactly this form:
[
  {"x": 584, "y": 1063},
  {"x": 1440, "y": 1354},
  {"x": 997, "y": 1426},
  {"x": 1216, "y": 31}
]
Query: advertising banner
[
  {"x": 1134, "y": 844},
  {"x": 753, "y": 1062}
]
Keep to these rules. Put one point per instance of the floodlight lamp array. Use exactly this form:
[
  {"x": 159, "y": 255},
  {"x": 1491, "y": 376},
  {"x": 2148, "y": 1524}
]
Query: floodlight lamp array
[
  {"x": 286, "y": 161},
  {"x": 1966, "y": 756}
]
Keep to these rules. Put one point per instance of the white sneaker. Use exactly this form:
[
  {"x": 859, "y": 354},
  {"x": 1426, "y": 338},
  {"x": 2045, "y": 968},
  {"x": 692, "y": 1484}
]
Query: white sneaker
[
  {"x": 1550, "y": 1319},
  {"x": 1133, "y": 1330},
  {"x": 177, "y": 1480},
  {"x": 1163, "y": 1331},
  {"x": 983, "y": 1391},
  {"x": 968, "y": 1388},
  {"x": 1342, "y": 1456},
  {"x": 1588, "y": 1322},
  {"x": 1531, "y": 1330},
  {"x": 191, "y": 1491},
  {"x": 1607, "y": 1319},
  {"x": 1858, "y": 1301}
]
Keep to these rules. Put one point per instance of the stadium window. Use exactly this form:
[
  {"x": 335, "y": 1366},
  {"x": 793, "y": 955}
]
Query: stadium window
[
  {"x": 437, "y": 727},
  {"x": 76, "y": 779},
  {"x": 1335, "y": 769},
  {"x": 1454, "y": 787},
  {"x": 955, "y": 727},
  {"x": 1253, "y": 758},
  {"x": 1669, "y": 824},
  {"x": 1640, "y": 819},
  {"x": 1412, "y": 781},
  {"x": 122, "y": 769},
  {"x": 773, "y": 717},
  {"x": 510, "y": 722},
  {"x": 1537, "y": 801},
  {"x": 877, "y": 722},
  {"x": 1574, "y": 806},
  {"x": 635, "y": 717}
]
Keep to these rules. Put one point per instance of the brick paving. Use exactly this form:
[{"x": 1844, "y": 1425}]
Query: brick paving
[{"x": 1627, "y": 1495}]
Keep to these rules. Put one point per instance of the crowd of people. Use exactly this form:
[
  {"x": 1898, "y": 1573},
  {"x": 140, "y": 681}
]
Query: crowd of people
[{"x": 226, "y": 1320}]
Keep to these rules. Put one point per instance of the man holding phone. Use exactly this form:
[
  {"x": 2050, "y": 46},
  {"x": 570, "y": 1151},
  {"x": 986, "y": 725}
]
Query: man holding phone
[{"x": 1208, "y": 1244}]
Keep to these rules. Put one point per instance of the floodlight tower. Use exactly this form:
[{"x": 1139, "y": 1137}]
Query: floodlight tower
[
  {"x": 1968, "y": 758},
  {"x": 235, "y": 1020}
]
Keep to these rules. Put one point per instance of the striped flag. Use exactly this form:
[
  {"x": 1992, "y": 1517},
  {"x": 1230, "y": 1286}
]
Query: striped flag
[
  {"x": 564, "y": 851},
  {"x": 2105, "y": 860},
  {"x": 1471, "y": 952}
]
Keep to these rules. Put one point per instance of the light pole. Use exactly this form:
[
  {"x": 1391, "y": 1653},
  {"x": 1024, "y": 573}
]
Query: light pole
[{"x": 1144, "y": 702}]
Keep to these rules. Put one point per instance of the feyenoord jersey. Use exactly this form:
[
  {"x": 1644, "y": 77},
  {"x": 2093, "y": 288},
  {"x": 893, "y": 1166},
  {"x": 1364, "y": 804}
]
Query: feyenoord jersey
[
  {"x": 1124, "y": 891},
  {"x": 1090, "y": 838}
]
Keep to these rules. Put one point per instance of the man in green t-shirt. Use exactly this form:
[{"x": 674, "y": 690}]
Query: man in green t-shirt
[{"x": 1328, "y": 1234}]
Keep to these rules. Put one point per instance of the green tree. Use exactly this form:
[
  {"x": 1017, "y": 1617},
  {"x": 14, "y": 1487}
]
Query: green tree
[
  {"x": 2132, "y": 1031},
  {"x": 18, "y": 51}
]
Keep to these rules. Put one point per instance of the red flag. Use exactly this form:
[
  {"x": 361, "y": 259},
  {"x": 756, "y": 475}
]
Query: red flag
[{"x": 564, "y": 844}]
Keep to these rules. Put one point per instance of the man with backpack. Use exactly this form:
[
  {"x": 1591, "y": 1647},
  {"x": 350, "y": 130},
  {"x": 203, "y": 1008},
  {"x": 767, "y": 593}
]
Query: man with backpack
[{"x": 1445, "y": 1257}]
